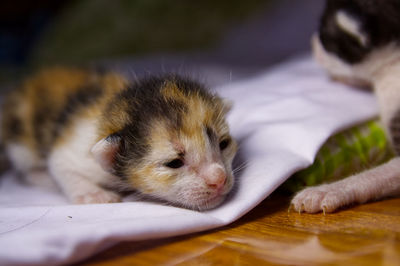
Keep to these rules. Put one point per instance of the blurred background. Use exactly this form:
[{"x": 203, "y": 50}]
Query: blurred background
[{"x": 218, "y": 41}]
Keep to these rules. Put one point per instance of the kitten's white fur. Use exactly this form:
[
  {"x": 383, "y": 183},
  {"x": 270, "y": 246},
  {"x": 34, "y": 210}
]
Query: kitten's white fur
[
  {"x": 70, "y": 164},
  {"x": 351, "y": 26},
  {"x": 75, "y": 169}
]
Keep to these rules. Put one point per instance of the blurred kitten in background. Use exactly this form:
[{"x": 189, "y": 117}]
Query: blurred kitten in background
[{"x": 358, "y": 43}]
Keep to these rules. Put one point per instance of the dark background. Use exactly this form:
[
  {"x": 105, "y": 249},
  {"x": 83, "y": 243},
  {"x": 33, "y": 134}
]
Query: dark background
[{"x": 219, "y": 40}]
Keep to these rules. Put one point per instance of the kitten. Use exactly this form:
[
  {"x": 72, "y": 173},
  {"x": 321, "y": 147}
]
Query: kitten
[
  {"x": 358, "y": 44},
  {"x": 98, "y": 134}
]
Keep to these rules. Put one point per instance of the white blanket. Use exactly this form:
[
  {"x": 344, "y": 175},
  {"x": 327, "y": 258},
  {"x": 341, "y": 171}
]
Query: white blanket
[{"x": 280, "y": 119}]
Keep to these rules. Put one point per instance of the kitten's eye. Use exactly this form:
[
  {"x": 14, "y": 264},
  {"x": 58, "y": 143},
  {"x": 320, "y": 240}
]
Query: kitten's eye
[
  {"x": 224, "y": 144},
  {"x": 176, "y": 163}
]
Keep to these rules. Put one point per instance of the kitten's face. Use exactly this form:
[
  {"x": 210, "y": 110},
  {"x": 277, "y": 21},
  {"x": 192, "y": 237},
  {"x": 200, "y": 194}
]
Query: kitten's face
[
  {"x": 172, "y": 144},
  {"x": 190, "y": 167}
]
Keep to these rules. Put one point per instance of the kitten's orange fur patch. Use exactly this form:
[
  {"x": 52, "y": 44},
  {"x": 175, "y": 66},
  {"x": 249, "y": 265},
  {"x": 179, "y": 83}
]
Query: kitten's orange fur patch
[
  {"x": 57, "y": 84},
  {"x": 171, "y": 91}
]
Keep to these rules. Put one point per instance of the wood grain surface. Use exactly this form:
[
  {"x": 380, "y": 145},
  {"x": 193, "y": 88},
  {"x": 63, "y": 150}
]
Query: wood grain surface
[{"x": 270, "y": 235}]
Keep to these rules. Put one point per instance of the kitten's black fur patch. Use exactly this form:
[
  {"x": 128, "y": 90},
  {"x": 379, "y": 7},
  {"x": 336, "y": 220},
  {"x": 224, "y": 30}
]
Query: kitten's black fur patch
[
  {"x": 378, "y": 20},
  {"x": 11, "y": 121},
  {"x": 75, "y": 102},
  {"x": 44, "y": 118},
  {"x": 15, "y": 126}
]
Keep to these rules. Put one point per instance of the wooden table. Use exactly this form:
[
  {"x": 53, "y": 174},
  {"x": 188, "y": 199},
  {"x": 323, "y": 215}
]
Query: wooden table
[{"x": 270, "y": 235}]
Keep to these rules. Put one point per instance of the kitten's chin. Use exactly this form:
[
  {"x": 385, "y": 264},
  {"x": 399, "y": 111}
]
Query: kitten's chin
[
  {"x": 201, "y": 203},
  {"x": 209, "y": 203}
]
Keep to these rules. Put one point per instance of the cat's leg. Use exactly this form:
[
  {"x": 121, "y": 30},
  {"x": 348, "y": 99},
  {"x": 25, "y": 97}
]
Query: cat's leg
[
  {"x": 77, "y": 184},
  {"x": 78, "y": 175},
  {"x": 373, "y": 184}
]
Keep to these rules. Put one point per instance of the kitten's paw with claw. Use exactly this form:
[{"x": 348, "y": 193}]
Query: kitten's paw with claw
[
  {"x": 325, "y": 198},
  {"x": 98, "y": 196}
]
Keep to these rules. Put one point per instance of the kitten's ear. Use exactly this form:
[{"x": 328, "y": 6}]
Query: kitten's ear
[{"x": 105, "y": 150}]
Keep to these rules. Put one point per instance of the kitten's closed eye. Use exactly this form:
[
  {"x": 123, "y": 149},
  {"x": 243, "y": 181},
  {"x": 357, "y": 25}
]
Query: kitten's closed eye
[
  {"x": 224, "y": 144},
  {"x": 175, "y": 164}
]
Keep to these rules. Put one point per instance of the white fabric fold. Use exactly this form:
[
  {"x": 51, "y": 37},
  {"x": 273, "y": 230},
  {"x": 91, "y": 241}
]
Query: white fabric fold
[{"x": 280, "y": 119}]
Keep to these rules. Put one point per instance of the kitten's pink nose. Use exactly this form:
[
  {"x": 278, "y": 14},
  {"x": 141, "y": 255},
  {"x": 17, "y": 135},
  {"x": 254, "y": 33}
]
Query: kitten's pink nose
[{"x": 215, "y": 177}]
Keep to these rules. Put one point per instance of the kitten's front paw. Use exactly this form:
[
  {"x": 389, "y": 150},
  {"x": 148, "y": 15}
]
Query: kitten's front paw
[
  {"x": 326, "y": 198},
  {"x": 98, "y": 196}
]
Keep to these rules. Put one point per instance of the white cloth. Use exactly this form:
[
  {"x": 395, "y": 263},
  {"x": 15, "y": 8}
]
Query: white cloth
[{"x": 280, "y": 119}]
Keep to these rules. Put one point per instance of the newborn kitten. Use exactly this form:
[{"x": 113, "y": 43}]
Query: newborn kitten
[
  {"x": 358, "y": 43},
  {"x": 97, "y": 134}
]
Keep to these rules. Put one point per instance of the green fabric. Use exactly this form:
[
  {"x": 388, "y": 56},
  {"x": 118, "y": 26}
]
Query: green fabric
[{"x": 344, "y": 154}]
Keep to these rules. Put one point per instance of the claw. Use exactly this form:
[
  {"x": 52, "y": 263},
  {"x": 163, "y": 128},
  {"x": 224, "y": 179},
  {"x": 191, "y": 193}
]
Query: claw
[{"x": 324, "y": 210}]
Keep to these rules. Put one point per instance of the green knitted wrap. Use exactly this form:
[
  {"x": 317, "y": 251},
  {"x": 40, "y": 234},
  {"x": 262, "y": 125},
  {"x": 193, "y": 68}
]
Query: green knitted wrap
[{"x": 344, "y": 154}]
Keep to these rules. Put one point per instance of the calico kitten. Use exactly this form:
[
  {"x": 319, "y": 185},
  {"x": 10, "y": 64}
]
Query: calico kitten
[
  {"x": 358, "y": 43},
  {"x": 97, "y": 134}
]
